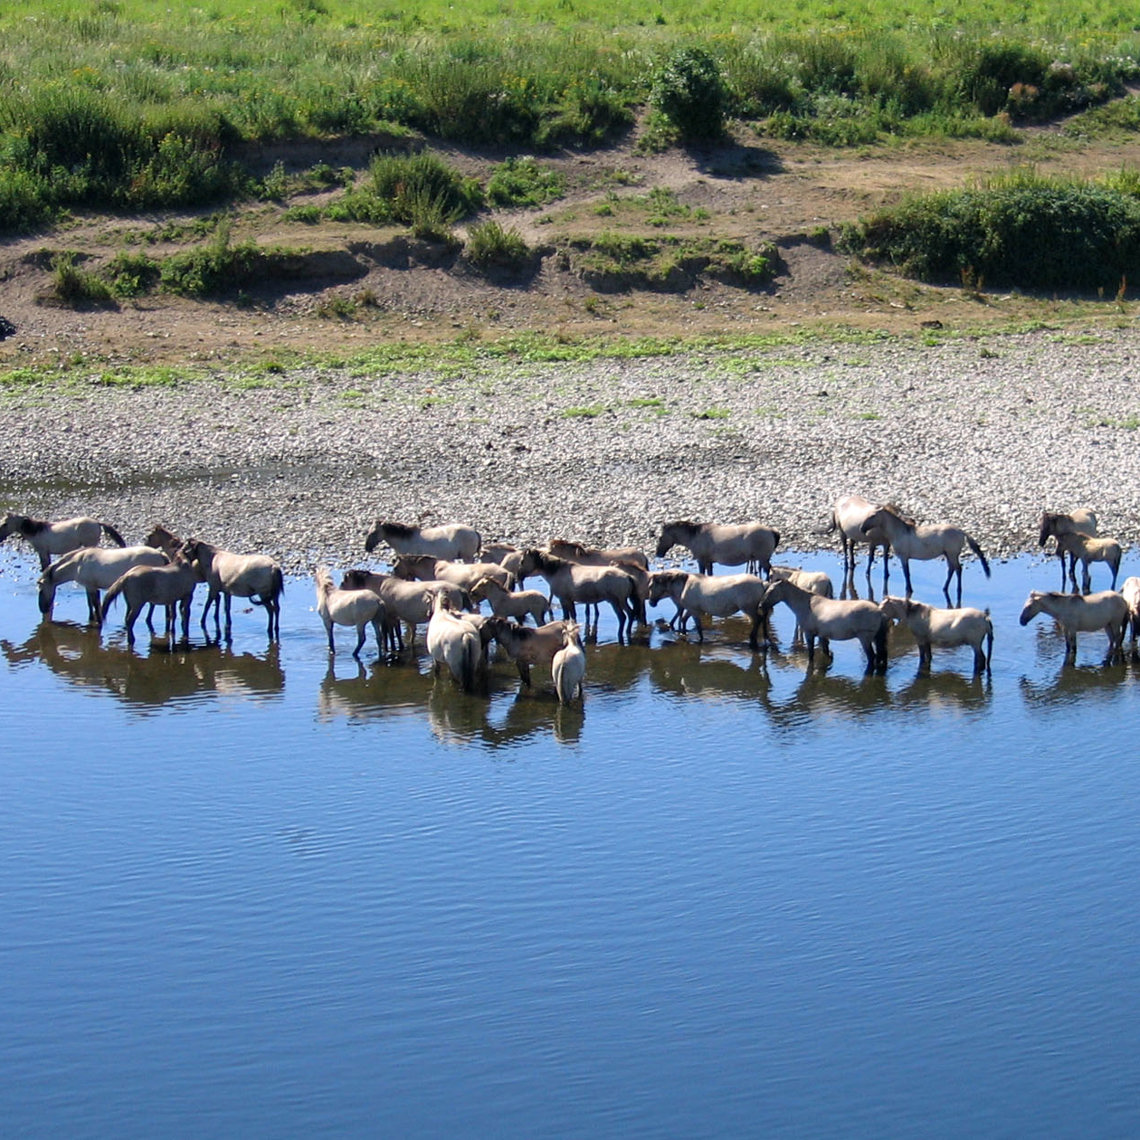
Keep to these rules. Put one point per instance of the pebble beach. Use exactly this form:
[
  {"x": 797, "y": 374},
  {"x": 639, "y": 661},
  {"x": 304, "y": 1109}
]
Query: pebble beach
[{"x": 984, "y": 433}]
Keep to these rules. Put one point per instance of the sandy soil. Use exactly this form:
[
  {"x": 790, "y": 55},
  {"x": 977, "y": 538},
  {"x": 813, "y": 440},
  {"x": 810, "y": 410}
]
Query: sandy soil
[{"x": 755, "y": 191}]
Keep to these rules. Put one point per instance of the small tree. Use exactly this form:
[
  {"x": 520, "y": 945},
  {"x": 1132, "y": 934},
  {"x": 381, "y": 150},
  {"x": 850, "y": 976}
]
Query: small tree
[{"x": 689, "y": 92}]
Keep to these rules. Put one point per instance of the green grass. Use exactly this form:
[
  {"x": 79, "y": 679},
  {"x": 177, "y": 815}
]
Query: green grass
[{"x": 135, "y": 106}]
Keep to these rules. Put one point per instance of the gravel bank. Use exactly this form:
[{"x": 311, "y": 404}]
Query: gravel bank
[{"x": 984, "y": 433}]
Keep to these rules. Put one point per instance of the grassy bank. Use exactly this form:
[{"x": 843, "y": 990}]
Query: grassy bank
[{"x": 105, "y": 106}]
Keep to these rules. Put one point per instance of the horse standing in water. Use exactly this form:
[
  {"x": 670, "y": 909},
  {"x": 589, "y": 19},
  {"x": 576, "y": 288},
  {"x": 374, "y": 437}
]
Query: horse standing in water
[
  {"x": 94, "y": 568},
  {"x": 568, "y": 666},
  {"x": 1082, "y": 613},
  {"x": 910, "y": 540},
  {"x": 932, "y": 626},
  {"x": 228, "y": 575},
  {"x": 1053, "y": 525},
  {"x": 357, "y": 608},
  {"x": 452, "y": 540},
  {"x": 171, "y": 586},
  {"x": 848, "y": 514},
  {"x": 748, "y": 544},
  {"x": 48, "y": 538},
  {"x": 834, "y": 619}
]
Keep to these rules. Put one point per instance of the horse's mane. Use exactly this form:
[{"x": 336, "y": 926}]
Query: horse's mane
[
  {"x": 400, "y": 530},
  {"x": 31, "y": 526},
  {"x": 687, "y": 525},
  {"x": 324, "y": 579},
  {"x": 897, "y": 511},
  {"x": 544, "y": 560},
  {"x": 576, "y": 547}
]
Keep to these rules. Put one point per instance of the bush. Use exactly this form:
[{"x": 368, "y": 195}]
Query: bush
[
  {"x": 413, "y": 184},
  {"x": 73, "y": 286},
  {"x": 489, "y": 245},
  {"x": 1024, "y": 232},
  {"x": 688, "y": 91}
]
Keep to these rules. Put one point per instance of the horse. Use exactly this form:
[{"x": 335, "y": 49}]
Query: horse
[
  {"x": 833, "y": 619},
  {"x": 1078, "y": 613},
  {"x": 596, "y": 556},
  {"x": 170, "y": 585},
  {"x": 425, "y": 568},
  {"x": 568, "y": 666},
  {"x": 932, "y": 625},
  {"x": 449, "y": 541},
  {"x": 409, "y": 602},
  {"x": 507, "y": 556},
  {"x": 910, "y": 540},
  {"x": 1082, "y": 520},
  {"x": 1130, "y": 592},
  {"x": 165, "y": 540},
  {"x": 814, "y": 581},
  {"x": 48, "y": 538},
  {"x": 94, "y": 568},
  {"x": 253, "y": 576},
  {"x": 359, "y": 608},
  {"x": 528, "y": 647},
  {"x": 511, "y": 603},
  {"x": 848, "y": 514},
  {"x": 716, "y": 596},
  {"x": 454, "y": 641},
  {"x": 1088, "y": 548},
  {"x": 590, "y": 585},
  {"x": 748, "y": 544}
]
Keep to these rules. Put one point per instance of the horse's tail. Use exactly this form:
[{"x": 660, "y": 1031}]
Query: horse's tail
[
  {"x": 978, "y": 551},
  {"x": 113, "y": 534},
  {"x": 989, "y": 639},
  {"x": 278, "y": 582},
  {"x": 470, "y": 664},
  {"x": 109, "y": 597}
]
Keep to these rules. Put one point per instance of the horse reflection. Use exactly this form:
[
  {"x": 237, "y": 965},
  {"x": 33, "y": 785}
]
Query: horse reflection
[
  {"x": 372, "y": 692},
  {"x": 76, "y": 654},
  {"x": 456, "y": 718},
  {"x": 946, "y": 690},
  {"x": 1076, "y": 685},
  {"x": 689, "y": 669}
]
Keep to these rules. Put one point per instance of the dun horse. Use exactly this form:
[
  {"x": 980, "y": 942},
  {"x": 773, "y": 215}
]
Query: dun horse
[
  {"x": 910, "y": 540},
  {"x": 590, "y": 585},
  {"x": 449, "y": 541},
  {"x": 410, "y": 602},
  {"x": 171, "y": 586},
  {"x": 834, "y": 619},
  {"x": 253, "y": 576},
  {"x": 713, "y": 595},
  {"x": 568, "y": 666},
  {"x": 746, "y": 544},
  {"x": 357, "y": 608},
  {"x": 1086, "y": 548},
  {"x": 454, "y": 641},
  {"x": 94, "y": 568},
  {"x": 848, "y": 514},
  {"x": 931, "y": 626},
  {"x": 48, "y": 538},
  {"x": 1053, "y": 525},
  {"x": 1081, "y": 613}
]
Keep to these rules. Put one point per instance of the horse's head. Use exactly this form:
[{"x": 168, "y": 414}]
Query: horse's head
[
  {"x": 46, "y": 591},
  {"x": 1031, "y": 608},
  {"x": 9, "y": 524},
  {"x": 894, "y": 609},
  {"x": 1048, "y": 528}
]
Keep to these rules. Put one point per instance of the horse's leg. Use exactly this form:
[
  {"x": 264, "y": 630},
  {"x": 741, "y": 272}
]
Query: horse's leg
[
  {"x": 229, "y": 621},
  {"x": 361, "y": 634},
  {"x": 906, "y": 578},
  {"x": 697, "y": 623},
  {"x": 184, "y": 606},
  {"x": 620, "y": 614},
  {"x": 753, "y": 641},
  {"x": 132, "y": 617},
  {"x": 93, "y": 605},
  {"x": 524, "y": 672},
  {"x": 329, "y": 633}
]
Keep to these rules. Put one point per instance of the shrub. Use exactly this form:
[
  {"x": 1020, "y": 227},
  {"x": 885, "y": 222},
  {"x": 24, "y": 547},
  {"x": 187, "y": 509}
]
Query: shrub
[
  {"x": 412, "y": 184},
  {"x": 995, "y": 234},
  {"x": 688, "y": 91},
  {"x": 489, "y": 245},
  {"x": 74, "y": 286}
]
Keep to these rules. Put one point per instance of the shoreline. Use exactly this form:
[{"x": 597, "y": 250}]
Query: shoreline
[{"x": 984, "y": 433}]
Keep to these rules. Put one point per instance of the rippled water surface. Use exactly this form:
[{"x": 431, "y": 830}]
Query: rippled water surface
[{"x": 250, "y": 892}]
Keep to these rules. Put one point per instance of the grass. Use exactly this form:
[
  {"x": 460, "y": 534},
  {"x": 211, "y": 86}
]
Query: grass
[{"x": 133, "y": 106}]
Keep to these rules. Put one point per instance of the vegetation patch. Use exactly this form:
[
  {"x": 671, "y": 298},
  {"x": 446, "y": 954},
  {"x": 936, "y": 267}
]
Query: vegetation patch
[
  {"x": 524, "y": 182},
  {"x": 1022, "y": 231},
  {"x": 490, "y": 246},
  {"x": 613, "y": 262}
]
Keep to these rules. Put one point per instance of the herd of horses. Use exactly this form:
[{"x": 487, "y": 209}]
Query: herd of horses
[{"x": 442, "y": 576}]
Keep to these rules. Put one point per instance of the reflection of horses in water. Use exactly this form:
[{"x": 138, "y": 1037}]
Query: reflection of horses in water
[
  {"x": 77, "y": 654},
  {"x": 1077, "y": 685}
]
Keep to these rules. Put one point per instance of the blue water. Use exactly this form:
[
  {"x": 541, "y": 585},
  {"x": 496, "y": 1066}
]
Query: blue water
[{"x": 247, "y": 893}]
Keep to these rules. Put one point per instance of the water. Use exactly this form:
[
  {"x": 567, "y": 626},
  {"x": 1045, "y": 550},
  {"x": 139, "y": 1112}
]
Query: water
[{"x": 251, "y": 893}]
